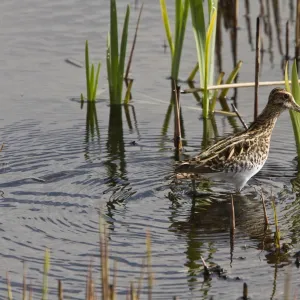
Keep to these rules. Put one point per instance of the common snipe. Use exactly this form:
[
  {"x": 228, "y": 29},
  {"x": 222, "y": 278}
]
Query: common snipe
[{"x": 239, "y": 157}]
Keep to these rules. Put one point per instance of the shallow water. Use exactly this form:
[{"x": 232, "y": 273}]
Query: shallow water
[{"x": 57, "y": 175}]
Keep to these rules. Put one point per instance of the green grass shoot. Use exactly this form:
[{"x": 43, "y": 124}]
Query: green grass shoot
[
  {"x": 295, "y": 90},
  {"x": 181, "y": 14},
  {"x": 92, "y": 78},
  {"x": 115, "y": 59},
  {"x": 205, "y": 43}
]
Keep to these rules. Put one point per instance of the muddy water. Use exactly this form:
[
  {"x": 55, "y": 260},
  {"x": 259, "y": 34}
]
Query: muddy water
[{"x": 58, "y": 171}]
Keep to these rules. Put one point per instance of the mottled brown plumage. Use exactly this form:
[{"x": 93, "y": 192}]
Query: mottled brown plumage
[{"x": 237, "y": 158}]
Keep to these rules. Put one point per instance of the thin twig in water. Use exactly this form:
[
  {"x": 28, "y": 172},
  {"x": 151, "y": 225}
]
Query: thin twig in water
[{"x": 239, "y": 116}]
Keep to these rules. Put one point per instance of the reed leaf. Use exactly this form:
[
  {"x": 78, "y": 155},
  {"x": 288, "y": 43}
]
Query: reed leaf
[
  {"x": 295, "y": 117},
  {"x": 87, "y": 70},
  {"x": 95, "y": 86},
  {"x": 208, "y": 67},
  {"x": 123, "y": 51},
  {"x": 286, "y": 78},
  {"x": 91, "y": 79},
  {"x": 114, "y": 49},
  {"x": 128, "y": 91},
  {"x": 215, "y": 94},
  {"x": 181, "y": 14},
  {"x": 165, "y": 18},
  {"x": 231, "y": 78},
  {"x": 198, "y": 22},
  {"x": 193, "y": 73},
  {"x": 115, "y": 60}
]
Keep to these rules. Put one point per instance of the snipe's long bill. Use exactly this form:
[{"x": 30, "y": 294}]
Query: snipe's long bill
[{"x": 237, "y": 158}]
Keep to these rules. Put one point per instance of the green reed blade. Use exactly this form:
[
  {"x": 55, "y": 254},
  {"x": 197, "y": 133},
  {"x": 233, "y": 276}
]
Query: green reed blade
[
  {"x": 231, "y": 78},
  {"x": 182, "y": 10},
  {"x": 193, "y": 73},
  {"x": 96, "y": 81},
  {"x": 108, "y": 66},
  {"x": 87, "y": 69},
  {"x": 123, "y": 54},
  {"x": 128, "y": 91},
  {"x": 45, "y": 275},
  {"x": 114, "y": 49},
  {"x": 215, "y": 94},
  {"x": 213, "y": 6},
  {"x": 165, "y": 18},
  {"x": 198, "y": 22},
  {"x": 286, "y": 77},
  {"x": 207, "y": 63},
  {"x": 91, "y": 83},
  {"x": 294, "y": 115}
]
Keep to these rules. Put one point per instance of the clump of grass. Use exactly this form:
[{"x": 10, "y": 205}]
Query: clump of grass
[
  {"x": 92, "y": 77},
  {"x": 115, "y": 59},
  {"x": 108, "y": 288},
  {"x": 176, "y": 44},
  {"x": 295, "y": 90}
]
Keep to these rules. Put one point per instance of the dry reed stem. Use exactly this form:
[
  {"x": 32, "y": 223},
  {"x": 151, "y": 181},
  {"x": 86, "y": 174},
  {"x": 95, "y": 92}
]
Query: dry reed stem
[
  {"x": 139, "y": 289},
  {"x": 232, "y": 223},
  {"x": 239, "y": 116},
  {"x": 235, "y": 85},
  {"x": 264, "y": 207},
  {"x": 245, "y": 291},
  {"x": 9, "y": 292},
  {"x": 206, "y": 270},
  {"x": 104, "y": 261},
  {"x": 150, "y": 275},
  {"x": 257, "y": 67},
  {"x": 133, "y": 43},
  {"x": 30, "y": 291},
  {"x": 60, "y": 290},
  {"x": 24, "y": 281}
]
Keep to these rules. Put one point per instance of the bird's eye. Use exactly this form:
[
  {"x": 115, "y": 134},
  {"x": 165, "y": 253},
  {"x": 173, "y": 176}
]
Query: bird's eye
[{"x": 286, "y": 96}]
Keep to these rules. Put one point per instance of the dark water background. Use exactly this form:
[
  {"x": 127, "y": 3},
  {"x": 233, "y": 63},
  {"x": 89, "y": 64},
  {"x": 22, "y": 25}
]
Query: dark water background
[{"x": 45, "y": 136}]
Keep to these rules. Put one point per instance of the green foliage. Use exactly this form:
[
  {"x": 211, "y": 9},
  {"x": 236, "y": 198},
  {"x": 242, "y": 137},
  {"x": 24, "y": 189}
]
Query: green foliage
[
  {"x": 295, "y": 90},
  {"x": 205, "y": 43},
  {"x": 115, "y": 59},
  {"x": 181, "y": 14},
  {"x": 92, "y": 78}
]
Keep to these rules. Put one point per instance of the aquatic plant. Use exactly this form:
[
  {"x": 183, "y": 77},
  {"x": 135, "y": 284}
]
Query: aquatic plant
[
  {"x": 176, "y": 44},
  {"x": 205, "y": 43},
  {"x": 92, "y": 77},
  {"x": 115, "y": 59},
  {"x": 295, "y": 90}
]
